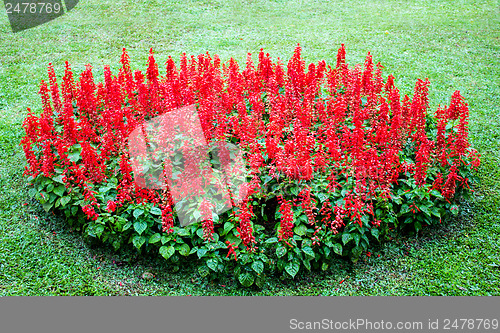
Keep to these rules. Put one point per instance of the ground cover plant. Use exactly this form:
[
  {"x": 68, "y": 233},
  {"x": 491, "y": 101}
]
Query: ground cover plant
[
  {"x": 454, "y": 45},
  {"x": 336, "y": 158}
]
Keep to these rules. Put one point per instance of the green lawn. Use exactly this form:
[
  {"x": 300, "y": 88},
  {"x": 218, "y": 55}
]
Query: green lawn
[{"x": 456, "y": 44}]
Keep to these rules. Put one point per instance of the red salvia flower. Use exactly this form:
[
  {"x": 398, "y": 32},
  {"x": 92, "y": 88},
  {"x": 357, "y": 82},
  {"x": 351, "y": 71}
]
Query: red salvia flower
[
  {"x": 167, "y": 220},
  {"x": 231, "y": 250},
  {"x": 245, "y": 230},
  {"x": 286, "y": 221},
  {"x": 111, "y": 206},
  {"x": 208, "y": 223}
]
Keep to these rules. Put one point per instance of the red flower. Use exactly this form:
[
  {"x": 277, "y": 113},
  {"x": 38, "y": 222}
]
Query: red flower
[
  {"x": 286, "y": 221},
  {"x": 245, "y": 229},
  {"x": 231, "y": 249},
  {"x": 167, "y": 220},
  {"x": 208, "y": 224},
  {"x": 111, "y": 206},
  {"x": 90, "y": 212}
]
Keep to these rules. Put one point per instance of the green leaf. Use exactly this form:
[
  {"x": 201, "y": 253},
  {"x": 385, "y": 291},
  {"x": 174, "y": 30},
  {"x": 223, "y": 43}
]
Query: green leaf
[
  {"x": 203, "y": 271},
  {"x": 321, "y": 196},
  {"x": 104, "y": 189},
  {"x": 292, "y": 268},
  {"x": 155, "y": 238},
  {"x": 220, "y": 245},
  {"x": 138, "y": 212},
  {"x": 258, "y": 266},
  {"x": 300, "y": 230},
  {"x": 308, "y": 251},
  {"x": 271, "y": 240},
  {"x": 156, "y": 211},
  {"x": 167, "y": 251},
  {"x": 246, "y": 279},
  {"x": 307, "y": 264},
  {"x": 397, "y": 199},
  {"x": 53, "y": 197},
  {"x": 199, "y": 232},
  {"x": 212, "y": 264},
  {"x": 259, "y": 281},
  {"x": 201, "y": 252},
  {"x": 364, "y": 241},
  {"x": 280, "y": 251},
  {"x": 74, "y": 156},
  {"x": 47, "y": 206},
  {"x": 356, "y": 251},
  {"x": 356, "y": 238},
  {"x": 42, "y": 197},
  {"x": 184, "y": 249},
  {"x": 65, "y": 200},
  {"x": 58, "y": 179},
  {"x": 435, "y": 211},
  {"x": 233, "y": 239},
  {"x": 116, "y": 245},
  {"x": 425, "y": 210},
  {"x": 326, "y": 250},
  {"x": 140, "y": 226},
  {"x": 346, "y": 238},
  {"x": 374, "y": 232},
  {"x": 337, "y": 248},
  {"x": 227, "y": 227},
  {"x": 50, "y": 188},
  {"x": 125, "y": 227},
  {"x": 436, "y": 194},
  {"x": 182, "y": 232},
  {"x": 99, "y": 230},
  {"x": 138, "y": 241},
  {"x": 324, "y": 266},
  {"x": 267, "y": 179},
  {"x": 32, "y": 192},
  {"x": 302, "y": 218},
  {"x": 306, "y": 242},
  {"x": 417, "y": 225},
  {"x": 196, "y": 214},
  {"x": 405, "y": 208}
]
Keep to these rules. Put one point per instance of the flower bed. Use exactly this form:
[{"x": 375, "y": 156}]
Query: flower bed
[{"x": 335, "y": 159}]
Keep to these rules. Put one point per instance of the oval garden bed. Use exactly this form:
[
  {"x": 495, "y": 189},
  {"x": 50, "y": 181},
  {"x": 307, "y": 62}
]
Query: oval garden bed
[{"x": 332, "y": 158}]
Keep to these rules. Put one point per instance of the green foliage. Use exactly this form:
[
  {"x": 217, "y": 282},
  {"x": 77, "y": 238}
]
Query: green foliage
[{"x": 409, "y": 209}]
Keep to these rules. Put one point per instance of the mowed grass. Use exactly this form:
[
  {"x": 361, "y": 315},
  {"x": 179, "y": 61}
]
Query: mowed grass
[{"x": 456, "y": 44}]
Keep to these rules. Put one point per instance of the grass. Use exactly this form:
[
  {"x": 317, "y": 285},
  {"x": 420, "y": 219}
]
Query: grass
[{"x": 456, "y": 44}]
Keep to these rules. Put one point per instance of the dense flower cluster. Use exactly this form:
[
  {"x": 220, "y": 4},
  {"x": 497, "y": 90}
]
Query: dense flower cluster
[{"x": 343, "y": 134}]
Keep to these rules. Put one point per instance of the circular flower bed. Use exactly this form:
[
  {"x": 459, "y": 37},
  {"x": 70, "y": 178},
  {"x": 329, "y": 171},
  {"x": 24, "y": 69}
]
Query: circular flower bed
[{"x": 334, "y": 159}]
